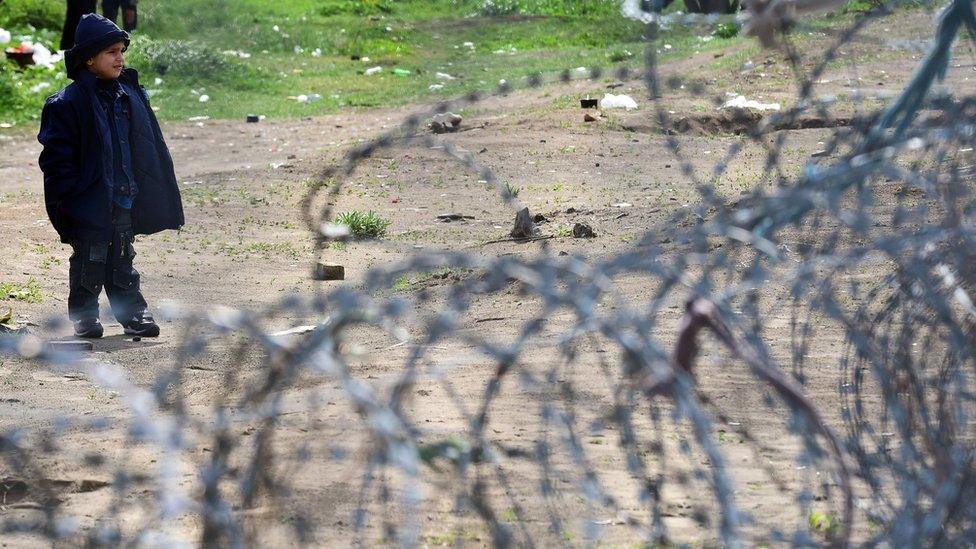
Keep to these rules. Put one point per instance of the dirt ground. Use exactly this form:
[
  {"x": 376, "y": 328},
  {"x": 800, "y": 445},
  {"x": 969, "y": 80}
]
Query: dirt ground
[{"x": 245, "y": 246}]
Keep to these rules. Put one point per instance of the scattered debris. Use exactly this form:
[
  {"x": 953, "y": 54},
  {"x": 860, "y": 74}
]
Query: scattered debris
[
  {"x": 445, "y": 122},
  {"x": 539, "y": 218},
  {"x": 589, "y": 103},
  {"x": 329, "y": 271},
  {"x": 611, "y": 101},
  {"x": 204, "y": 98},
  {"x": 4, "y": 36},
  {"x": 582, "y": 230},
  {"x": 448, "y": 217},
  {"x": 70, "y": 345},
  {"x": 622, "y": 205},
  {"x": 524, "y": 227},
  {"x": 740, "y": 102},
  {"x": 373, "y": 70},
  {"x": 444, "y": 76},
  {"x": 253, "y": 118},
  {"x": 591, "y": 118},
  {"x": 401, "y": 72}
]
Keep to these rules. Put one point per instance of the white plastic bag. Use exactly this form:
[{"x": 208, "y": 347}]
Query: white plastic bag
[{"x": 611, "y": 101}]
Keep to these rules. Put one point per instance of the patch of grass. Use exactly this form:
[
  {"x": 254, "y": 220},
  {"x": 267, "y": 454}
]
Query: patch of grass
[
  {"x": 512, "y": 190},
  {"x": 823, "y": 523},
  {"x": 364, "y": 225},
  {"x": 29, "y": 292},
  {"x": 261, "y": 249},
  {"x": 406, "y": 282},
  {"x": 726, "y": 30}
]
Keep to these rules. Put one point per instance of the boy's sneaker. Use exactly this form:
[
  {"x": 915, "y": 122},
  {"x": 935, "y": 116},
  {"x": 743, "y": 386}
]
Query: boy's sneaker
[
  {"x": 142, "y": 325},
  {"x": 89, "y": 328}
]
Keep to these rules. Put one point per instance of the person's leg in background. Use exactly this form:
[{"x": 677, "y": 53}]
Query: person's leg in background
[
  {"x": 75, "y": 9},
  {"x": 130, "y": 16},
  {"x": 110, "y": 9}
]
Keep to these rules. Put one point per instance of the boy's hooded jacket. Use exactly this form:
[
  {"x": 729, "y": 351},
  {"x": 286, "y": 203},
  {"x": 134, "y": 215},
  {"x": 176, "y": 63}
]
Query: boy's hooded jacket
[{"x": 78, "y": 146}]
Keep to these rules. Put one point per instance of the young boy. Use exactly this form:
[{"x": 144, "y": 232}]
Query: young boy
[{"x": 108, "y": 176}]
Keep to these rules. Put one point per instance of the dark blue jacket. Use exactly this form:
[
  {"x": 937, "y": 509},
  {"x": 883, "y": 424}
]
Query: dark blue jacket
[{"x": 77, "y": 141}]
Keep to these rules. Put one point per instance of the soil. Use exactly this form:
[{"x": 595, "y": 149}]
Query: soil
[{"x": 245, "y": 246}]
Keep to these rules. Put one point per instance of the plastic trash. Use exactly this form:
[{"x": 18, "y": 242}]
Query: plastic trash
[
  {"x": 4, "y": 36},
  {"x": 204, "y": 98},
  {"x": 435, "y": 87},
  {"x": 611, "y": 101},
  {"x": 443, "y": 76},
  {"x": 740, "y": 102},
  {"x": 373, "y": 70},
  {"x": 401, "y": 72}
]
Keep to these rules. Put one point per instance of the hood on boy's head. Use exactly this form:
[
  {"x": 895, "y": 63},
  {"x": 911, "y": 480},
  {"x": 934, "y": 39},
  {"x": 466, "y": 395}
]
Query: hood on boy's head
[{"x": 94, "y": 34}]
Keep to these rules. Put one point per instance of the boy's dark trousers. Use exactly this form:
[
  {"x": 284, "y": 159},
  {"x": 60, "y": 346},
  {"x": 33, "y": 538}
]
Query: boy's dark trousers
[
  {"x": 110, "y": 9},
  {"x": 109, "y": 264}
]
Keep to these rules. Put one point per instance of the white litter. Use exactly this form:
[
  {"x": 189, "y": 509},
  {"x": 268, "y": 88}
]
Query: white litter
[
  {"x": 198, "y": 118},
  {"x": 43, "y": 56},
  {"x": 373, "y": 70},
  {"x": 204, "y": 98},
  {"x": 740, "y": 102},
  {"x": 317, "y": 52},
  {"x": 276, "y": 28},
  {"x": 302, "y": 98},
  {"x": 158, "y": 80},
  {"x": 435, "y": 87},
  {"x": 468, "y": 45},
  {"x": 4, "y": 36},
  {"x": 298, "y": 50},
  {"x": 611, "y": 101},
  {"x": 443, "y": 76}
]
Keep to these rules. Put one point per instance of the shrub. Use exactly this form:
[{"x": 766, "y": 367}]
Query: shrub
[
  {"x": 187, "y": 58},
  {"x": 40, "y": 14},
  {"x": 364, "y": 225}
]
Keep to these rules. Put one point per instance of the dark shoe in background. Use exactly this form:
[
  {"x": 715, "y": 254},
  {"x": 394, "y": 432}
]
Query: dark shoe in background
[
  {"x": 142, "y": 325},
  {"x": 89, "y": 328}
]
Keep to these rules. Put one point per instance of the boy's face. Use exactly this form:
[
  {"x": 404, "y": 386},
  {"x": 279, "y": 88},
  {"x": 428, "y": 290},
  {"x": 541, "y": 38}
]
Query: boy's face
[{"x": 108, "y": 64}]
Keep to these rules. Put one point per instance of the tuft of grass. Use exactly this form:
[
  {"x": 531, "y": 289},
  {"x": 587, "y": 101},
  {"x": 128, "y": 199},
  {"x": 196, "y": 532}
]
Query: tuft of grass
[
  {"x": 512, "y": 190},
  {"x": 364, "y": 225},
  {"x": 726, "y": 30},
  {"x": 29, "y": 292},
  {"x": 823, "y": 523}
]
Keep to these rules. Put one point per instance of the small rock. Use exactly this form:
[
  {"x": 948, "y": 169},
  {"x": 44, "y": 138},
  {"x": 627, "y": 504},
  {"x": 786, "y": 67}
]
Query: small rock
[
  {"x": 589, "y": 118},
  {"x": 539, "y": 218},
  {"x": 524, "y": 227},
  {"x": 445, "y": 122},
  {"x": 329, "y": 271},
  {"x": 70, "y": 345},
  {"x": 582, "y": 230}
]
